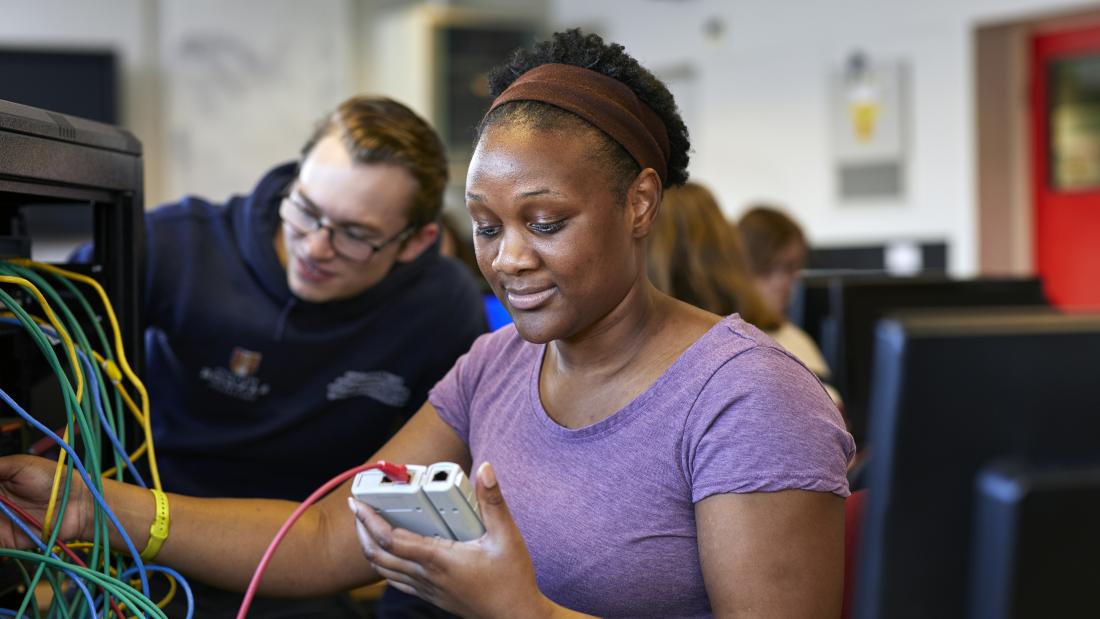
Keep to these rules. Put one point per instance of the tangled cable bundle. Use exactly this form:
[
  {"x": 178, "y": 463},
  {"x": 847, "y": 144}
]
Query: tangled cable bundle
[{"x": 84, "y": 577}]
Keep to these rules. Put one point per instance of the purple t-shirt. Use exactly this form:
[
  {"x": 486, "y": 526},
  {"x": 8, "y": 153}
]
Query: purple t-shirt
[{"x": 607, "y": 510}]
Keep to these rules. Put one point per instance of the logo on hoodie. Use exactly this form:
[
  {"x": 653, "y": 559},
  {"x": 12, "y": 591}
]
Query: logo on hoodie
[
  {"x": 386, "y": 387},
  {"x": 244, "y": 362},
  {"x": 238, "y": 381}
]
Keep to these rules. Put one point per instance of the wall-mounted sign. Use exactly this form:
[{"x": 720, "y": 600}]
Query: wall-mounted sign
[{"x": 868, "y": 118}]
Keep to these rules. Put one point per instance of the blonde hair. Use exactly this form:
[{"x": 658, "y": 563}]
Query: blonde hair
[
  {"x": 381, "y": 130},
  {"x": 695, "y": 255}
]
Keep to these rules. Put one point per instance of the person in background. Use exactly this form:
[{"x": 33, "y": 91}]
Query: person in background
[
  {"x": 694, "y": 255},
  {"x": 292, "y": 330},
  {"x": 648, "y": 458},
  {"x": 456, "y": 244},
  {"x": 776, "y": 250}
]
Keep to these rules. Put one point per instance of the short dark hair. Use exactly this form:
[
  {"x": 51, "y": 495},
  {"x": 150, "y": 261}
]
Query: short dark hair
[
  {"x": 381, "y": 130},
  {"x": 572, "y": 47}
]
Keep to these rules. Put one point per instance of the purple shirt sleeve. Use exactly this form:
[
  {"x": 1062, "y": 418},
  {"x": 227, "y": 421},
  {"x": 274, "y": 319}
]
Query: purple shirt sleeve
[
  {"x": 764, "y": 423},
  {"x": 451, "y": 396}
]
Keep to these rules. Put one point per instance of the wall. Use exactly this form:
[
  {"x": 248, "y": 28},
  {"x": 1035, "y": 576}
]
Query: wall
[
  {"x": 759, "y": 104},
  {"x": 245, "y": 82}
]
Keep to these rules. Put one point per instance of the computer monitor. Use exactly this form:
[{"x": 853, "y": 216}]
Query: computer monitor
[
  {"x": 89, "y": 174},
  {"x": 856, "y": 304},
  {"x": 75, "y": 82},
  {"x": 1036, "y": 541},
  {"x": 809, "y": 307},
  {"x": 954, "y": 393},
  {"x": 495, "y": 313}
]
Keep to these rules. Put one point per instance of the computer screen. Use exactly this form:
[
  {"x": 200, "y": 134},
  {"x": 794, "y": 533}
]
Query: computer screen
[
  {"x": 952, "y": 394},
  {"x": 495, "y": 313},
  {"x": 856, "y": 304},
  {"x": 81, "y": 83}
]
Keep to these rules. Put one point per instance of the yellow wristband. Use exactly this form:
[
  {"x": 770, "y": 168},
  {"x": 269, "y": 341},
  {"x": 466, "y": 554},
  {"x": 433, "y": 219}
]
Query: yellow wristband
[{"x": 158, "y": 532}]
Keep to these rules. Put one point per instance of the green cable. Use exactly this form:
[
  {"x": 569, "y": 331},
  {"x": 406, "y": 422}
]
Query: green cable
[
  {"x": 84, "y": 417},
  {"x": 133, "y": 598},
  {"x": 74, "y": 413},
  {"x": 26, "y": 582},
  {"x": 76, "y": 333},
  {"x": 116, "y": 413},
  {"x": 69, "y": 397},
  {"x": 91, "y": 446}
]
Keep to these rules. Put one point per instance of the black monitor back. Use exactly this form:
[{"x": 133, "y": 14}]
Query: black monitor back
[
  {"x": 856, "y": 304},
  {"x": 952, "y": 394},
  {"x": 1036, "y": 541},
  {"x": 81, "y": 170},
  {"x": 809, "y": 308}
]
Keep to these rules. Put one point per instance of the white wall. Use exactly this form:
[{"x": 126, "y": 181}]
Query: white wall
[
  {"x": 758, "y": 105},
  {"x": 245, "y": 82}
]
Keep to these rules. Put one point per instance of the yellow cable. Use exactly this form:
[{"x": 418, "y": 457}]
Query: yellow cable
[
  {"x": 142, "y": 415},
  {"x": 56, "y": 487},
  {"x": 146, "y": 427},
  {"x": 76, "y": 546},
  {"x": 168, "y": 597},
  {"x": 171, "y": 591},
  {"x": 56, "y": 324},
  {"x": 113, "y": 376},
  {"x": 64, "y": 335}
]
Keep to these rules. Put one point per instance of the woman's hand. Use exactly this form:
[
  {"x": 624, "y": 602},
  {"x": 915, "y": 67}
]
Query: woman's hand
[
  {"x": 27, "y": 481},
  {"x": 489, "y": 577}
]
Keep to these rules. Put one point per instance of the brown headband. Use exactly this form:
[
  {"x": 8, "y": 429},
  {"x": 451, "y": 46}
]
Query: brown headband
[{"x": 603, "y": 101}]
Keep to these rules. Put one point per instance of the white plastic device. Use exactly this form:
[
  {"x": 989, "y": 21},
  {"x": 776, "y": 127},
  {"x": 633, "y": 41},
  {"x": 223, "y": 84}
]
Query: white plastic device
[
  {"x": 451, "y": 492},
  {"x": 411, "y": 505}
]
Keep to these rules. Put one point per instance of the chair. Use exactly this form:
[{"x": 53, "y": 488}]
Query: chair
[{"x": 853, "y": 513}]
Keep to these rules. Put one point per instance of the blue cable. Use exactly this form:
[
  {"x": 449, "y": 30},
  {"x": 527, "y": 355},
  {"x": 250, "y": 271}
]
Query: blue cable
[
  {"x": 88, "y": 483},
  {"x": 180, "y": 580},
  {"x": 111, "y": 436},
  {"x": 89, "y": 370},
  {"x": 12, "y": 516}
]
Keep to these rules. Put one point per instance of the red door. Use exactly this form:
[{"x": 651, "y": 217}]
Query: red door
[{"x": 1065, "y": 121}]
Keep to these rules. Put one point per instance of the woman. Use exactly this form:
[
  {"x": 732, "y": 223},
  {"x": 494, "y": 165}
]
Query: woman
[
  {"x": 696, "y": 256},
  {"x": 657, "y": 460},
  {"x": 777, "y": 249}
]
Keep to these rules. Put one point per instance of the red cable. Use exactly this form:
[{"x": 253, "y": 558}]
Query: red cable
[
  {"x": 41, "y": 445},
  {"x": 396, "y": 472},
  {"x": 68, "y": 551}
]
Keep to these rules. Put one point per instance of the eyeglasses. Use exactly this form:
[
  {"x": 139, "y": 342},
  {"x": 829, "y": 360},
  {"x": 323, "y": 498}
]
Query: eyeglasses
[{"x": 347, "y": 240}]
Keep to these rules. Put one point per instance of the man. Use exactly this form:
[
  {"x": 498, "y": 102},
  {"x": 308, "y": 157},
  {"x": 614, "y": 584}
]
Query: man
[{"x": 293, "y": 330}]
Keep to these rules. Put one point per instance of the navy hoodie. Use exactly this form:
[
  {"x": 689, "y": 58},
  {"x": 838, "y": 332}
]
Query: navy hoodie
[{"x": 258, "y": 393}]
